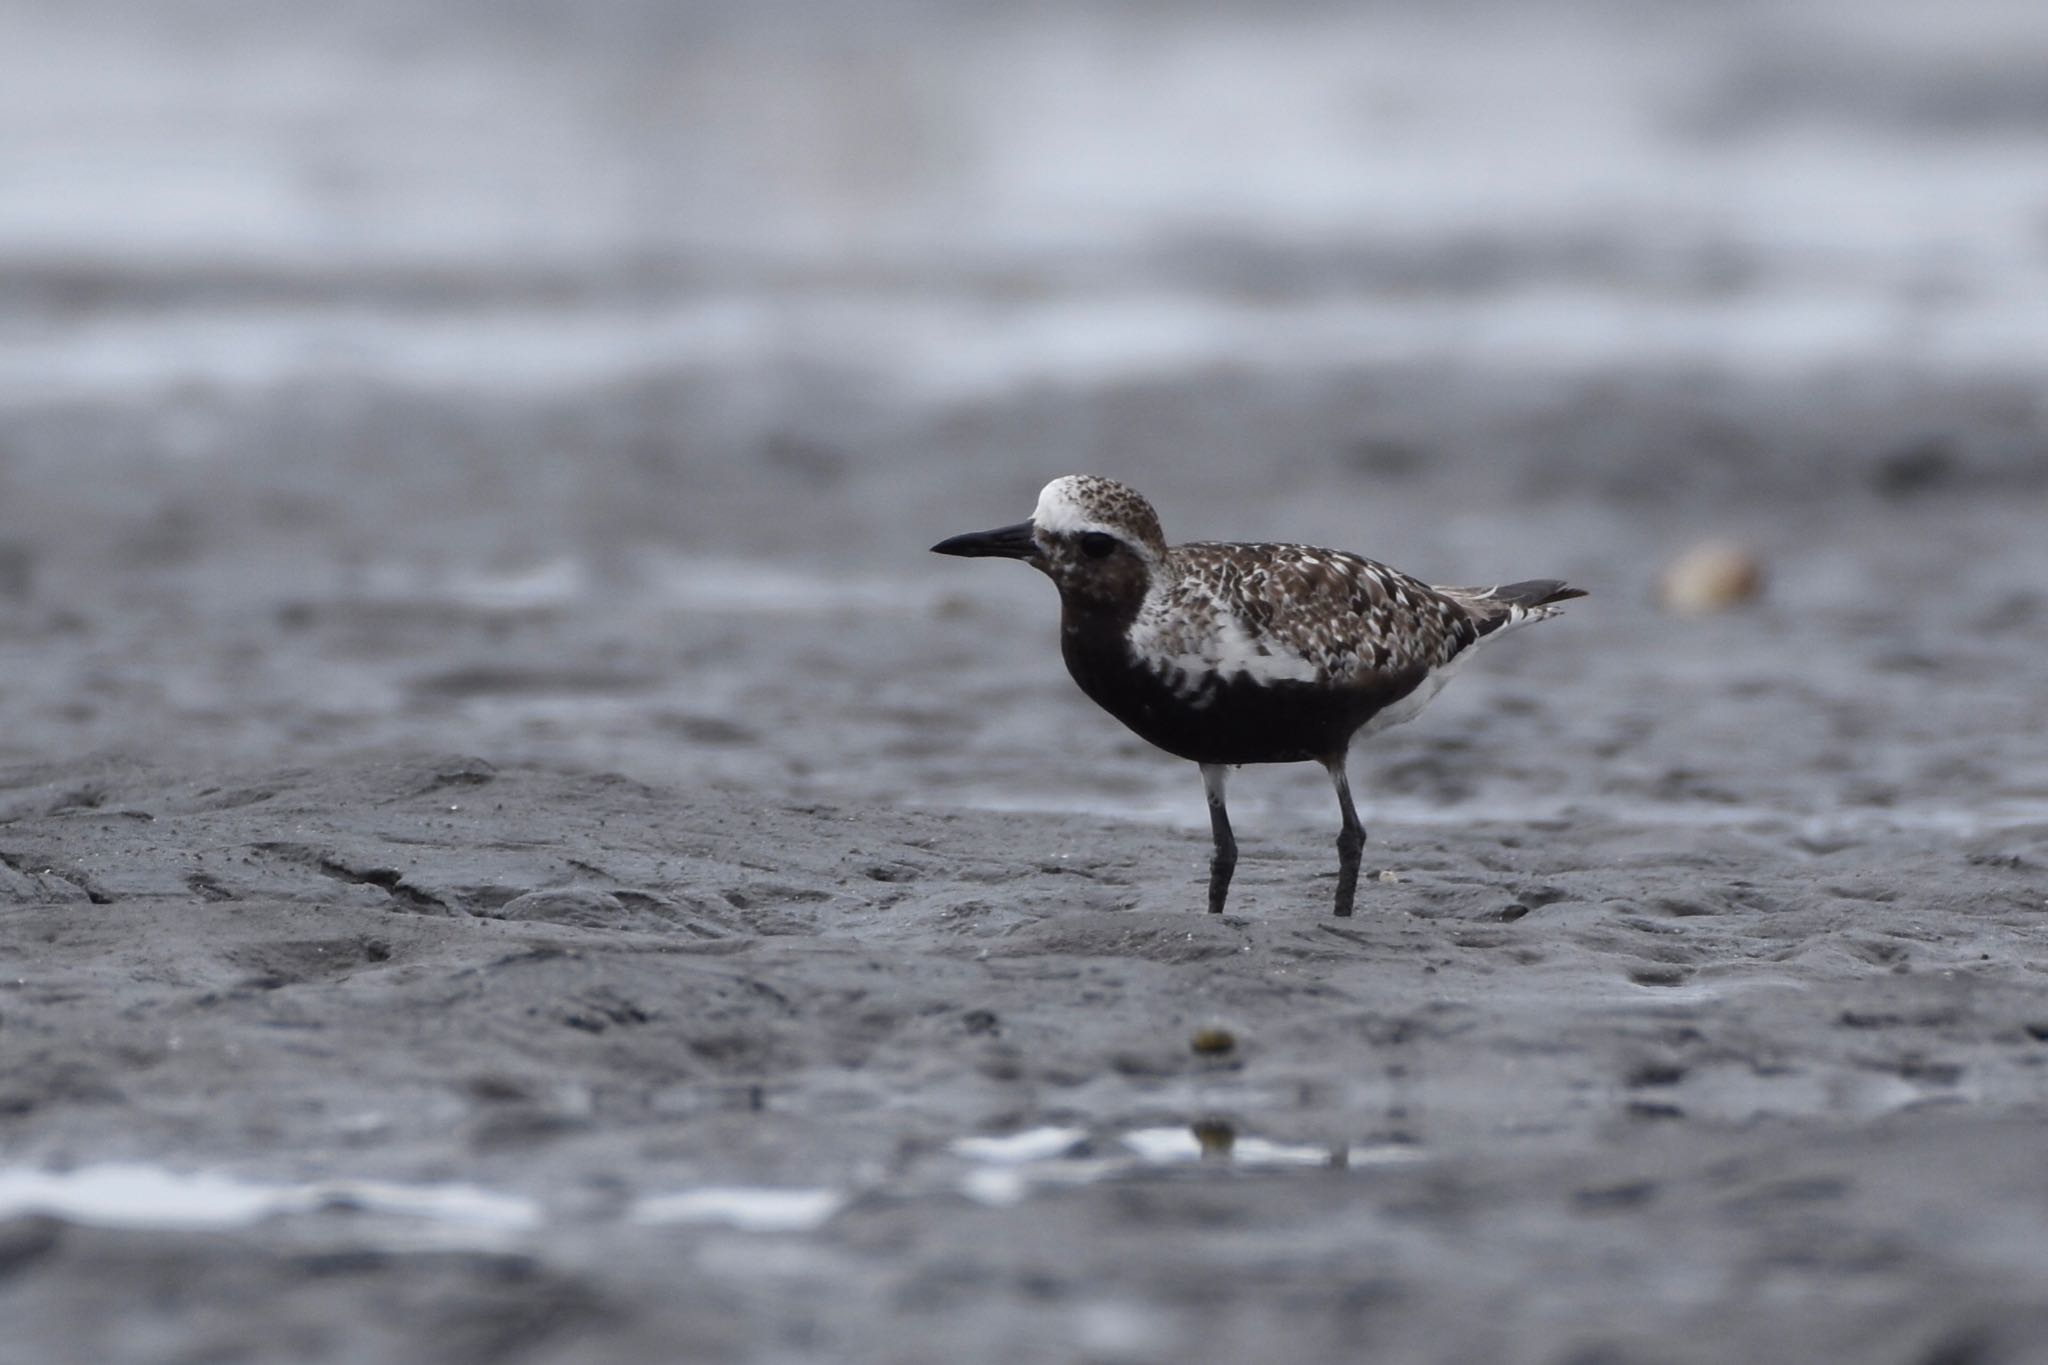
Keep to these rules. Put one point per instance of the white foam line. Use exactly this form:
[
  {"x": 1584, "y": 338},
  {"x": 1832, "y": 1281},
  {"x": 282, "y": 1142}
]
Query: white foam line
[
  {"x": 457, "y": 1205},
  {"x": 1005, "y": 1186},
  {"x": 127, "y": 1195},
  {"x": 747, "y": 1208},
  {"x": 1032, "y": 1144},
  {"x": 134, "y": 1195},
  {"x": 1006, "y": 1168},
  {"x": 1010, "y": 1167}
]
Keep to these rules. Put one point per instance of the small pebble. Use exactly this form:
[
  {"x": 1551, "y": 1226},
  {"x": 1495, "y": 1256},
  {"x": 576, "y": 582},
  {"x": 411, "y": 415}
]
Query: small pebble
[
  {"x": 1213, "y": 1042},
  {"x": 1214, "y": 1136}
]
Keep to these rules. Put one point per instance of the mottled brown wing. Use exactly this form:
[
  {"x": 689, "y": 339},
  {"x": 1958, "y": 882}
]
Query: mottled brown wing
[{"x": 1349, "y": 617}]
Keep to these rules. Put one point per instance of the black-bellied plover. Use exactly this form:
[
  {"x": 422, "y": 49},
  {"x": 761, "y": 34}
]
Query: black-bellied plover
[{"x": 1227, "y": 654}]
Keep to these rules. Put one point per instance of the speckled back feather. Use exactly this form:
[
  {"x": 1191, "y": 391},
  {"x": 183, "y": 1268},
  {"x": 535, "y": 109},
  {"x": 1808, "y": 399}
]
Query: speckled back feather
[{"x": 1297, "y": 613}]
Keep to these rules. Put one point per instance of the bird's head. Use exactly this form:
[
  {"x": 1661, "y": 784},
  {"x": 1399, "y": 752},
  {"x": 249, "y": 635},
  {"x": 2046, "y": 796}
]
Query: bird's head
[{"x": 1097, "y": 539}]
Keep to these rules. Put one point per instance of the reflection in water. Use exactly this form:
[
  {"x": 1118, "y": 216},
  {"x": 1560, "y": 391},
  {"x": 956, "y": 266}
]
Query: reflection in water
[
  {"x": 1217, "y": 1140},
  {"x": 1010, "y": 1167}
]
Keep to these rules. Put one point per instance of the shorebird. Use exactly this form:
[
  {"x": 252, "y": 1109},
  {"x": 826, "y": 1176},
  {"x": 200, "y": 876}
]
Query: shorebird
[{"x": 1227, "y": 654}]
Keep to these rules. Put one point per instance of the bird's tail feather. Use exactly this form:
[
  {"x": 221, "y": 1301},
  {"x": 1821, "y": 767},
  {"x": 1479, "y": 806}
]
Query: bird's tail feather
[
  {"x": 1535, "y": 592},
  {"x": 1512, "y": 604}
]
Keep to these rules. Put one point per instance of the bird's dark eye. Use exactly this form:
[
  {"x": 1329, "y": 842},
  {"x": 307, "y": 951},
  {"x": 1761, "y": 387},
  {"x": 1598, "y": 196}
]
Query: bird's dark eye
[{"x": 1097, "y": 544}]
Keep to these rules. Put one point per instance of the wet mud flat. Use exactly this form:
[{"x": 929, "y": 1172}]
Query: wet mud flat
[
  {"x": 459, "y": 902},
  {"x": 510, "y": 1062}
]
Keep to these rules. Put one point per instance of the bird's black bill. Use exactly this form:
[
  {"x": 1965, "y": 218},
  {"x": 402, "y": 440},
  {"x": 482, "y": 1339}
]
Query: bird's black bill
[{"x": 1005, "y": 542}]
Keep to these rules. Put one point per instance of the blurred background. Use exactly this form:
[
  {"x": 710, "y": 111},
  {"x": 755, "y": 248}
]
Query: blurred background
[{"x": 584, "y": 381}]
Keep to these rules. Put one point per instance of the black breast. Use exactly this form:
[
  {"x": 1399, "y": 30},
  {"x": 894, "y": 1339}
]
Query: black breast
[{"x": 1230, "y": 720}]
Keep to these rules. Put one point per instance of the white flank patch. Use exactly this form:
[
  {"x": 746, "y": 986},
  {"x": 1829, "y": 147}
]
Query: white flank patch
[
  {"x": 1201, "y": 647},
  {"x": 1410, "y": 706}
]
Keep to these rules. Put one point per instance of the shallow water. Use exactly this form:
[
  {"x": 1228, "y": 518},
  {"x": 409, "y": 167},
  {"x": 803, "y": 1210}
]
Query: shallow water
[
  {"x": 969, "y": 348},
  {"x": 1003, "y": 1171}
]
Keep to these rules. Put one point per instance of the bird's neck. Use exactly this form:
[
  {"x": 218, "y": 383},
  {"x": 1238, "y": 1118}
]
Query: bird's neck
[
  {"x": 1094, "y": 637},
  {"x": 1099, "y": 615}
]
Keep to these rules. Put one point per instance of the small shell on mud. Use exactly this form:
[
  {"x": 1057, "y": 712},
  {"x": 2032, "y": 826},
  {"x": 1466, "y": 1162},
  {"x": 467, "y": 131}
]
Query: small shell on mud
[{"x": 1713, "y": 575}]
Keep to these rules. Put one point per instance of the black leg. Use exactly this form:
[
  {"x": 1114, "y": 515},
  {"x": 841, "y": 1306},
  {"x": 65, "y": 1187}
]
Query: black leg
[
  {"x": 1350, "y": 839},
  {"x": 1224, "y": 862}
]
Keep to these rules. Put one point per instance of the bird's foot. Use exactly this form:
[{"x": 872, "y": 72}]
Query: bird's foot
[
  {"x": 1350, "y": 844},
  {"x": 1219, "y": 883}
]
